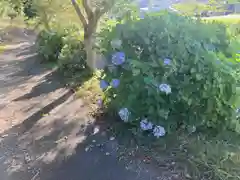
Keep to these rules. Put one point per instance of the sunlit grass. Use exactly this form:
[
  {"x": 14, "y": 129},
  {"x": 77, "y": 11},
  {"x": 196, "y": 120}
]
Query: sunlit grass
[
  {"x": 90, "y": 91},
  {"x": 189, "y": 8},
  {"x": 228, "y": 20}
]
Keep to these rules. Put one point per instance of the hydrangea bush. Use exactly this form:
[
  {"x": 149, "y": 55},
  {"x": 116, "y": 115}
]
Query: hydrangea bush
[{"x": 166, "y": 71}]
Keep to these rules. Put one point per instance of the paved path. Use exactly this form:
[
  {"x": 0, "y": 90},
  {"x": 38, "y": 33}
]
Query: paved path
[{"x": 47, "y": 134}]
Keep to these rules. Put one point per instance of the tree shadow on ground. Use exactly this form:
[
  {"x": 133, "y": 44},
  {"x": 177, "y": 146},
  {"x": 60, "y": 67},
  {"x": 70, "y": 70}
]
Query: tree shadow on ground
[
  {"x": 47, "y": 85},
  {"x": 18, "y": 68},
  {"x": 70, "y": 144}
]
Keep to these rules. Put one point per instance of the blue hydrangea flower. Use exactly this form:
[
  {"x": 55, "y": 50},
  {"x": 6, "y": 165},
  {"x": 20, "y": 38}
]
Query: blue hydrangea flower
[
  {"x": 115, "y": 83},
  {"x": 159, "y": 131},
  {"x": 118, "y": 58},
  {"x": 103, "y": 84},
  {"x": 165, "y": 88},
  {"x": 124, "y": 114},
  {"x": 167, "y": 61},
  {"x": 146, "y": 125}
]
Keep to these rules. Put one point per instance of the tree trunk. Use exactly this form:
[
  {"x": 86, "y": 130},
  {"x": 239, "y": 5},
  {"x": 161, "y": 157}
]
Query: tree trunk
[
  {"x": 89, "y": 41},
  {"x": 91, "y": 55}
]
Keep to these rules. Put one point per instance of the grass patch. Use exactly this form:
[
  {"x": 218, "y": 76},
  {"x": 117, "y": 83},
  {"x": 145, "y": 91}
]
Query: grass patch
[
  {"x": 90, "y": 91},
  {"x": 216, "y": 157},
  {"x": 209, "y": 156},
  {"x": 196, "y": 156},
  {"x": 228, "y": 20},
  {"x": 232, "y": 22},
  {"x": 190, "y": 8}
]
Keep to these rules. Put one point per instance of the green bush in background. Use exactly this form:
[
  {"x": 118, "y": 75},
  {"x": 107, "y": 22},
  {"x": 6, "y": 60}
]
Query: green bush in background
[
  {"x": 49, "y": 45},
  {"x": 174, "y": 71},
  {"x": 72, "y": 58},
  {"x": 66, "y": 49},
  {"x": 28, "y": 9}
]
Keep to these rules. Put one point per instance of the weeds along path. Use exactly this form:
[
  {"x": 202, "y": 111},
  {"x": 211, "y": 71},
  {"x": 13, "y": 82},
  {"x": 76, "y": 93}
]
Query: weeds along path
[{"x": 47, "y": 134}]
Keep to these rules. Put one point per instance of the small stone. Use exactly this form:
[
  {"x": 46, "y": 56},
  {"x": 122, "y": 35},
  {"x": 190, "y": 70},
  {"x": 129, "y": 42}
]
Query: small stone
[
  {"x": 91, "y": 146},
  {"x": 173, "y": 163},
  {"x": 112, "y": 138},
  {"x": 27, "y": 157},
  {"x": 96, "y": 130},
  {"x": 5, "y": 135},
  {"x": 94, "y": 141},
  {"x": 188, "y": 176},
  {"x": 107, "y": 153},
  {"x": 86, "y": 149}
]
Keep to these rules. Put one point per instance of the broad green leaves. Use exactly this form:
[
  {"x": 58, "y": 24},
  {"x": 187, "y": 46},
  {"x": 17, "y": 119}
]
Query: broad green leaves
[{"x": 202, "y": 83}]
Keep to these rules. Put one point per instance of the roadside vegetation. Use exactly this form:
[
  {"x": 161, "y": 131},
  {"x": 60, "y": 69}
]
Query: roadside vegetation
[{"x": 170, "y": 81}]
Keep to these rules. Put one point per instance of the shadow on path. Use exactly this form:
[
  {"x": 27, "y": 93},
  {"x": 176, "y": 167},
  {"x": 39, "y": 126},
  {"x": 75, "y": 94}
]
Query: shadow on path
[
  {"x": 30, "y": 121},
  {"x": 49, "y": 84},
  {"x": 62, "y": 147}
]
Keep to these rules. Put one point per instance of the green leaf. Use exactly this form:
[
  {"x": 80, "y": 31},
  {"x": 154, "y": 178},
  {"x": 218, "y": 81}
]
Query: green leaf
[
  {"x": 147, "y": 80},
  {"x": 136, "y": 72},
  {"x": 193, "y": 70},
  {"x": 199, "y": 76}
]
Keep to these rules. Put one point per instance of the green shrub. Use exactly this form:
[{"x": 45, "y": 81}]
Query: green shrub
[
  {"x": 187, "y": 55},
  {"x": 49, "y": 45},
  {"x": 28, "y": 9},
  {"x": 72, "y": 58},
  {"x": 72, "y": 61}
]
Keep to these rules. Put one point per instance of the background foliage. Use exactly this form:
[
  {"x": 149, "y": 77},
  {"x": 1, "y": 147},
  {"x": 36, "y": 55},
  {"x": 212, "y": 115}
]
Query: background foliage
[{"x": 49, "y": 45}]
